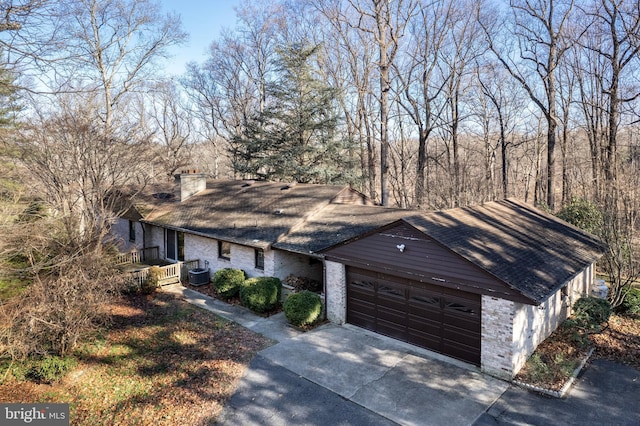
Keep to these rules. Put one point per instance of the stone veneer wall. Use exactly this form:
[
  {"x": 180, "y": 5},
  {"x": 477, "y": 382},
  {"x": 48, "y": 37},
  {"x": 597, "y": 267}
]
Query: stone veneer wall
[
  {"x": 496, "y": 348},
  {"x": 336, "y": 292},
  {"x": 511, "y": 331}
]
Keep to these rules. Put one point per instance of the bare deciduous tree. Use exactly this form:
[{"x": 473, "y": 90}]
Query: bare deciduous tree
[
  {"x": 172, "y": 127},
  {"x": 79, "y": 165},
  {"x": 110, "y": 46},
  {"x": 542, "y": 34},
  {"x": 386, "y": 23}
]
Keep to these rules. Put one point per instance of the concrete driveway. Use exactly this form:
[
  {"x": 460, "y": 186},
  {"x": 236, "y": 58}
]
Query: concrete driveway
[
  {"x": 380, "y": 379},
  {"x": 344, "y": 375}
]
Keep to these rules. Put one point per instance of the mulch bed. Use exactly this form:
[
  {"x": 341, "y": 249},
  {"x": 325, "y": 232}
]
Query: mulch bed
[
  {"x": 619, "y": 341},
  {"x": 210, "y": 291}
]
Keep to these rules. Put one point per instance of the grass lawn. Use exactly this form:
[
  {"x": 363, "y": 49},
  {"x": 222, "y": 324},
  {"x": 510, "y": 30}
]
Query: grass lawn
[
  {"x": 11, "y": 287},
  {"x": 163, "y": 361}
]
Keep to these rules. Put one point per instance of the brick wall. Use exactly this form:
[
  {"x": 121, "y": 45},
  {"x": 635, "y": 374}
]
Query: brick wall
[
  {"x": 285, "y": 264},
  {"x": 497, "y": 336},
  {"x": 120, "y": 233},
  {"x": 277, "y": 263},
  {"x": 155, "y": 237},
  {"x": 511, "y": 331},
  {"x": 533, "y": 324}
]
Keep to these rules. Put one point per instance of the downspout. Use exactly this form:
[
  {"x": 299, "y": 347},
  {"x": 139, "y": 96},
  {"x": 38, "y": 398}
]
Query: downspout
[{"x": 324, "y": 286}]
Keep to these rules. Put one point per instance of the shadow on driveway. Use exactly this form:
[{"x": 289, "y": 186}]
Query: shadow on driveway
[{"x": 272, "y": 395}]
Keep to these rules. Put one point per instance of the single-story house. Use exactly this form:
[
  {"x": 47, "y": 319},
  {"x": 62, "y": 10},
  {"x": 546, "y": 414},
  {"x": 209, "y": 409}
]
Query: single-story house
[{"x": 483, "y": 284}]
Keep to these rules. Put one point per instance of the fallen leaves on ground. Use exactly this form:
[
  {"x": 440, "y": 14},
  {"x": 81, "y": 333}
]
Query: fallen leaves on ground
[
  {"x": 556, "y": 358},
  {"x": 620, "y": 341},
  {"x": 162, "y": 361}
]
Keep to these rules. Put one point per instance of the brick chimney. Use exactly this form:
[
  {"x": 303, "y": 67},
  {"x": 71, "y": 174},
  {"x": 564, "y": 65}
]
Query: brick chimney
[{"x": 192, "y": 182}]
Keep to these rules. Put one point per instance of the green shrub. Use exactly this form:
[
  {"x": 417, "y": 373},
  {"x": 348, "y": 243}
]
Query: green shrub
[
  {"x": 583, "y": 214},
  {"x": 589, "y": 313},
  {"x": 261, "y": 294},
  {"x": 50, "y": 369},
  {"x": 150, "y": 285},
  {"x": 228, "y": 281},
  {"x": 631, "y": 303},
  {"x": 303, "y": 308}
]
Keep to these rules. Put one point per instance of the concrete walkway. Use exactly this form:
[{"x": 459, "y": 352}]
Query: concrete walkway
[{"x": 389, "y": 380}]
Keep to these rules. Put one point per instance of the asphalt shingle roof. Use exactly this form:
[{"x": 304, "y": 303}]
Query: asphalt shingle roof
[
  {"x": 251, "y": 213},
  {"x": 526, "y": 248},
  {"x": 336, "y": 223}
]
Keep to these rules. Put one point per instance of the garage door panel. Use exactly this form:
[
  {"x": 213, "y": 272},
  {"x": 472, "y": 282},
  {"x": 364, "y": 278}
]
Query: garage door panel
[
  {"x": 364, "y": 321},
  {"x": 471, "y": 325},
  {"x": 425, "y": 340},
  {"x": 456, "y": 350},
  {"x": 391, "y": 329},
  {"x": 425, "y": 325},
  {"x": 457, "y": 335},
  {"x": 392, "y": 315},
  {"x": 432, "y": 313},
  {"x": 391, "y": 291},
  {"x": 436, "y": 318}
]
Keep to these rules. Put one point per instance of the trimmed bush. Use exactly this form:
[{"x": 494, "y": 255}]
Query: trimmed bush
[
  {"x": 228, "y": 281},
  {"x": 303, "y": 308},
  {"x": 589, "y": 313},
  {"x": 261, "y": 294},
  {"x": 51, "y": 369},
  {"x": 150, "y": 285},
  {"x": 631, "y": 303}
]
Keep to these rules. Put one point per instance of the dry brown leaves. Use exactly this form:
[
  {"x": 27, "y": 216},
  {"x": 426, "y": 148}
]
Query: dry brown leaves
[
  {"x": 619, "y": 342},
  {"x": 161, "y": 362}
]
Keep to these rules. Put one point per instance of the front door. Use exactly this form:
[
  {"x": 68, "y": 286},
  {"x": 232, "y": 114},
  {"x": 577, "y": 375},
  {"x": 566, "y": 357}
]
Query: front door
[{"x": 174, "y": 245}]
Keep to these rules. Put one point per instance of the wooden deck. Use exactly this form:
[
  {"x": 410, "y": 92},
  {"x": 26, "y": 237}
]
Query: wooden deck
[{"x": 139, "y": 262}]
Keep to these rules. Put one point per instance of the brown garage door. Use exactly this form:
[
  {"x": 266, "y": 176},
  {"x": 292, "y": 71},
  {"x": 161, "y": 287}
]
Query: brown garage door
[{"x": 433, "y": 317}]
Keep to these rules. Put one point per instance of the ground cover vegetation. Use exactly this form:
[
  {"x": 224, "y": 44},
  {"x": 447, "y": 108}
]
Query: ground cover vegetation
[
  {"x": 161, "y": 361},
  {"x": 592, "y": 326}
]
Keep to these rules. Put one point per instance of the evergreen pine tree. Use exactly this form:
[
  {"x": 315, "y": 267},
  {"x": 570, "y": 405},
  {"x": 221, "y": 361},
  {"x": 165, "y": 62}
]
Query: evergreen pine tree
[{"x": 296, "y": 137}]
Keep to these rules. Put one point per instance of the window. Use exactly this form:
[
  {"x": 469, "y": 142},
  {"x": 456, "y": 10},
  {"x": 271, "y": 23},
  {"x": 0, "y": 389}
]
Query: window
[
  {"x": 224, "y": 250},
  {"x": 174, "y": 245},
  {"x": 132, "y": 231},
  {"x": 259, "y": 254}
]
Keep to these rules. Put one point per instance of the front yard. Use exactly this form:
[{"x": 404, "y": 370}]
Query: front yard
[{"x": 163, "y": 361}]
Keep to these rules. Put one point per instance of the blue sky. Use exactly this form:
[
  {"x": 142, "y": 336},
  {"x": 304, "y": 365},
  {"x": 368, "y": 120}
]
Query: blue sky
[{"x": 203, "y": 20}]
